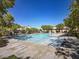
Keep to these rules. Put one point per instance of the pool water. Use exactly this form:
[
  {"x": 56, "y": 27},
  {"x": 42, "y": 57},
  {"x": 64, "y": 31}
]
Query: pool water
[{"x": 40, "y": 38}]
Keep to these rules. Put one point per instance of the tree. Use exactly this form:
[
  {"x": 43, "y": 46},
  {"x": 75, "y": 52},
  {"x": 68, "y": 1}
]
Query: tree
[
  {"x": 32, "y": 30},
  {"x": 72, "y": 21},
  {"x": 5, "y": 5},
  {"x": 9, "y": 20},
  {"x": 15, "y": 26},
  {"x": 5, "y": 17},
  {"x": 60, "y": 26},
  {"x": 46, "y": 27}
]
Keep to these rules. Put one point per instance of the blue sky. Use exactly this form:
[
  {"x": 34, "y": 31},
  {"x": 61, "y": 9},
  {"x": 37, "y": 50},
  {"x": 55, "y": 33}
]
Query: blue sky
[{"x": 40, "y": 12}]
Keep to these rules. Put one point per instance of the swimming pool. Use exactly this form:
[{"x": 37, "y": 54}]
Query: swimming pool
[{"x": 40, "y": 38}]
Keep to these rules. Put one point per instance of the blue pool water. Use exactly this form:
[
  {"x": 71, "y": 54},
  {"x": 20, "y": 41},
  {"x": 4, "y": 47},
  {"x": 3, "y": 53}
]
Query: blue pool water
[{"x": 40, "y": 38}]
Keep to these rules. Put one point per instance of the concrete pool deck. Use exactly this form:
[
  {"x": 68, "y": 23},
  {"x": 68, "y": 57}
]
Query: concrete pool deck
[
  {"x": 57, "y": 34},
  {"x": 24, "y": 49}
]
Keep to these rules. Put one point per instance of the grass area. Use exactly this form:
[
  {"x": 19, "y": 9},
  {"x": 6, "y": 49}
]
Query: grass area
[
  {"x": 15, "y": 57},
  {"x": 12, "y": 57}
]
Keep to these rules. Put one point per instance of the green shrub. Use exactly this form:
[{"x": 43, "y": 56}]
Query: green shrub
[
  {"x": 12, "y": 57},
  {"x": 75, "y": 34},
  {"x": 15, "y": 57}
]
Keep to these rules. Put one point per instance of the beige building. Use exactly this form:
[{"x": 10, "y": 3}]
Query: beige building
[{"x": 55, "y": 30}]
